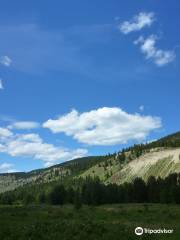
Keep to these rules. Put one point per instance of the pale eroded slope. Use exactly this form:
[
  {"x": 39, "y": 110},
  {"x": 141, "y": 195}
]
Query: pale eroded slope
[{"x": 158, "y": 163}]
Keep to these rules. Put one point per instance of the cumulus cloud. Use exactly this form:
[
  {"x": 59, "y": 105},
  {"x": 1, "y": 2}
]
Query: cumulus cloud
[
  {"x": 1, "y": 84},
  {"x": 149, "y": 49},
  {"x": 32, "y": 145},
  {"x": 6, "y": 61},
  {"x": 138, "y": 22},
  {"x": 25, "y": 125},
  {"x": 7, "y": 168},
  {"x": 104, "y": 126}
]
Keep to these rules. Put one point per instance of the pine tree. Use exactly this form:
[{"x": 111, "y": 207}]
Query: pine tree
[{"x": 77, "y": 200}]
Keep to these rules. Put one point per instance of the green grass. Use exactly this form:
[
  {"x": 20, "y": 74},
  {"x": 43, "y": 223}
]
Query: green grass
[{"x": 109, "y": 222}]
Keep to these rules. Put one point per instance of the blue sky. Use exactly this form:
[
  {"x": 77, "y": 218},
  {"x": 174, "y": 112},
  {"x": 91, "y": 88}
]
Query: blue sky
[{"x": 85, "y": 77}]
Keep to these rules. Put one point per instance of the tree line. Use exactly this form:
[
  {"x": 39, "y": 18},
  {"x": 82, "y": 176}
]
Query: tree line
[{"x": 92, "y": 192}]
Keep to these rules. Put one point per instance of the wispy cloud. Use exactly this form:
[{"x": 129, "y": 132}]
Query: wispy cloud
[
  {"x": 4, "y": 133},
  {"x": 1, "y": 84},
  {"x": 7, "y": 168},
  {"x": 138, "y": 22},
  {"x": 104, "y": 126},
  {"x": 141, "y": 108},
  {"x": 37, "y": 50},
  {"x": 148, "y": 48},
  {"x": 5, "y": 60},
  {"x": 24, "y": 125}
]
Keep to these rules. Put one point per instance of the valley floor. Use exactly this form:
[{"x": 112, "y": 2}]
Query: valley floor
[{"x": 108, "y": 222}]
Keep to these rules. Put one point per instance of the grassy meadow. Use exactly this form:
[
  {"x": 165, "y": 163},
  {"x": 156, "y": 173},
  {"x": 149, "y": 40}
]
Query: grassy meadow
[{"x": 106, "y": 222}]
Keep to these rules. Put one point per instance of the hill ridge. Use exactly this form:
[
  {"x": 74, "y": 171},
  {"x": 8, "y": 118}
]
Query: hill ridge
[{"x": 112, "y": 168}]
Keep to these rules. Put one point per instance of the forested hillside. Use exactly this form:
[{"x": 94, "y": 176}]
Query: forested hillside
[
  {"x": 60, "y": 172},
  {"x": 158, "y": 159}
]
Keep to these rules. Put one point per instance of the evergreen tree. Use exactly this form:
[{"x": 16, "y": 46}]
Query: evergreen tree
[
  {"x": 77, "y": 200},
  {"x": 57, "y": 195},
  {"x": 152, "y": 189},
  {"x": 140, "y": 190}
]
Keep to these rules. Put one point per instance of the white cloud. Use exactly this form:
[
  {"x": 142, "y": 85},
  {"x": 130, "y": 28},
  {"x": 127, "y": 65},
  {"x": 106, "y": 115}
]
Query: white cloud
[
  {"x": 149, "y": 49},
  {"x": 31, "y": 145},
  {"x": 7, "y": 168},
  {"x": 104, "y": 126},
  {"x": 6, "y": 61},
  {"x": 25, "y": 125},
  {"x": 1, "y": 84},
  {"x": 143, "y": 19},
  {"x": 5, "y": 133}
]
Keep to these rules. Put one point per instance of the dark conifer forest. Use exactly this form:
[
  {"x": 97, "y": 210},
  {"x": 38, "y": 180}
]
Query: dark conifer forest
[{"x": 92, "y": 192}]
